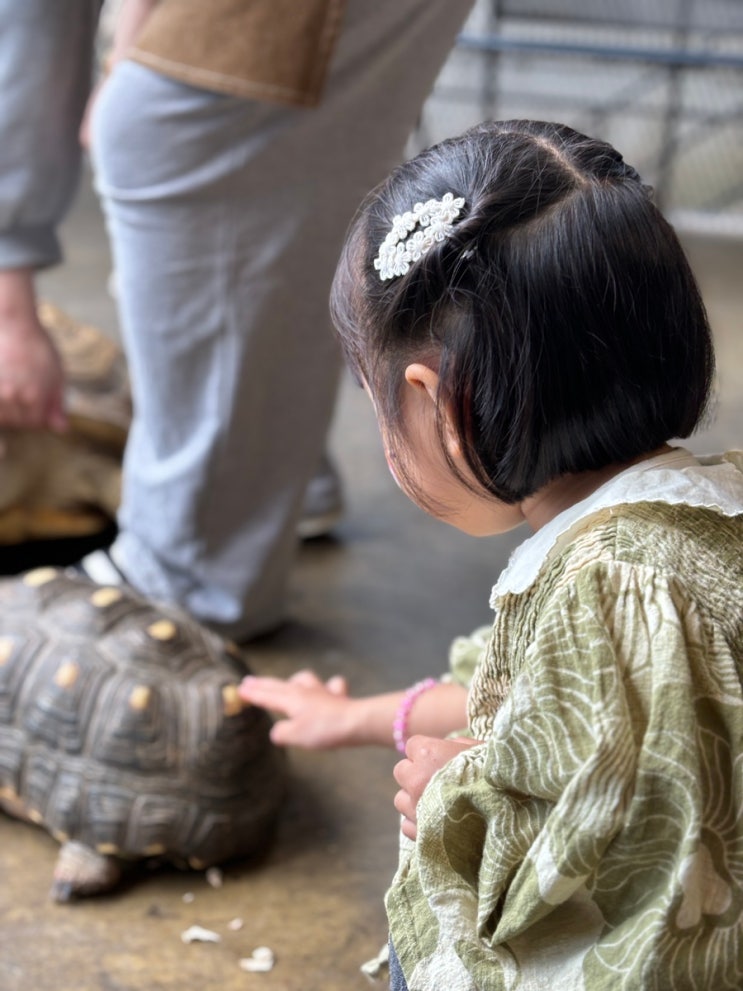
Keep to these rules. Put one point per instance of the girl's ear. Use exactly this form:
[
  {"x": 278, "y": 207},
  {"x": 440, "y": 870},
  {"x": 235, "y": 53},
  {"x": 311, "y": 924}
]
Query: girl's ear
[
  {"x": 420, "y": 376},
  {"x": 426, "y": 381}
]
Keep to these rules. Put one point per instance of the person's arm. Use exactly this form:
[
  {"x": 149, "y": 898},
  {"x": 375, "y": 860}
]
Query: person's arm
[
  {"x": 321, "y": 715},
  {"x": 46, "y": 51},
  {"x": 31, "y": 372}
]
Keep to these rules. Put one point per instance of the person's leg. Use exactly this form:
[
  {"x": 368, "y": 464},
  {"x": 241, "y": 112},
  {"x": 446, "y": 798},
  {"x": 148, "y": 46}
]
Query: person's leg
[
  {"x": 226, "y": 219},
  {"x": 232, "y": 389}
]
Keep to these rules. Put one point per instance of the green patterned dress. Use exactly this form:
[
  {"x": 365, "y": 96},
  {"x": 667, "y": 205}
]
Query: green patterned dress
[{"x": 594, "y": 839}]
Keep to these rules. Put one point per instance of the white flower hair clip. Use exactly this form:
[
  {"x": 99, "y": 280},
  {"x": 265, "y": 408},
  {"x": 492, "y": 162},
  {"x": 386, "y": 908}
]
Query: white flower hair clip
[{"x": 401, "y": 247}]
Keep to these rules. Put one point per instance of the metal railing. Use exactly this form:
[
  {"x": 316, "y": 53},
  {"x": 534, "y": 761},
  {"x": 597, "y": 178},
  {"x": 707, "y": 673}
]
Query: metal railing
[{"x": 660, "y": 79}]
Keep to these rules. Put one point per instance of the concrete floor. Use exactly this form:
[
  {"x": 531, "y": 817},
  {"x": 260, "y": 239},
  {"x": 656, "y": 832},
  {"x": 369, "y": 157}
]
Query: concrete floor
[{"x": 369, "y": 604}]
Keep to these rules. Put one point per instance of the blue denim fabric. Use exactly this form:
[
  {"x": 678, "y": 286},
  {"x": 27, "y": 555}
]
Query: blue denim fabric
[{"x": 397, "y": 980}]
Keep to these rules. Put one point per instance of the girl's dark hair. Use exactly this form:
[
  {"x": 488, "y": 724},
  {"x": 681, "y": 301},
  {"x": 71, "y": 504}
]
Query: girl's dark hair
[{"x": 562, "y": 316}]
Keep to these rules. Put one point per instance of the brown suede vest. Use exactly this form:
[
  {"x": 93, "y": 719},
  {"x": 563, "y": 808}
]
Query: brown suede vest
[{"x": 276, "y": 50}]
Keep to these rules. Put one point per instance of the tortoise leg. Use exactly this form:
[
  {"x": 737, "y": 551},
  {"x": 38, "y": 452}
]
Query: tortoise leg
[{"x": 82, "y": 871}]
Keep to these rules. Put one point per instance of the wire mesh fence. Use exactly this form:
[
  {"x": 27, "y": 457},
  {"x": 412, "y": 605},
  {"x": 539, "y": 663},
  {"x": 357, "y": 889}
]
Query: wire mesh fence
[{"x": 662, "y": 80}]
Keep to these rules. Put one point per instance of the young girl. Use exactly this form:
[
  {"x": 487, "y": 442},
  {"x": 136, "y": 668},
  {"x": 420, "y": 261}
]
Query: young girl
[{"x": 532, "y": 338}]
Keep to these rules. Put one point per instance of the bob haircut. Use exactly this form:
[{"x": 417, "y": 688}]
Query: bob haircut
[{"x": 561, "y": 314}]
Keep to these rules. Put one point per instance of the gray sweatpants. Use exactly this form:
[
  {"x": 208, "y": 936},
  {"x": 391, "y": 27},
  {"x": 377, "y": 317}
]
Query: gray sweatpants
[{"x": 226, "y": 218}]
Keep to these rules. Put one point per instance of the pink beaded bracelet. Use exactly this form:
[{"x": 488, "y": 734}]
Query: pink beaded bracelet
[{"x": 400, "y": 722}]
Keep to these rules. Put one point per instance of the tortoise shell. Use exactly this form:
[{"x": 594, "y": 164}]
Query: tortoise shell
[{"x": 121, "y": 727}]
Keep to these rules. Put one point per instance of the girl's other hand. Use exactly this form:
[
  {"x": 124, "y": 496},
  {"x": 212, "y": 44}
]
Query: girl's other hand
[{"x": 424, "y": 756}]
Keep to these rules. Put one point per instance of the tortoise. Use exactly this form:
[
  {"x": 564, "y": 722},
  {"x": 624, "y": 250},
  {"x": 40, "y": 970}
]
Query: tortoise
[
  {"x": 123, "y": 735},
  {"x": 57, "y": 486}
]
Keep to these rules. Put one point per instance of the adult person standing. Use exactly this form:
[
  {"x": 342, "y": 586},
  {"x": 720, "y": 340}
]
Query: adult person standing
[{"x": 231, "y": 144}]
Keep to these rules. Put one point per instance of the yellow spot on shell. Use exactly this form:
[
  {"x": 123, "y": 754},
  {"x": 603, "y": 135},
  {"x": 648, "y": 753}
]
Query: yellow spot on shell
[
  {"x": 6, "y": 650},
  {"x": 107, "y": 849},
  {"x": 163, "y": 629},
  {"x": 103, "y": 597},
  {"x": 39, "y": 576},
  {"x": 8, "y": 792},
  {"x": 35, "y": 816},
  {"x": 140, "y": 697},
  {"x": 231, "y": 700},
  {"x": 154, "y": 849},
  {"x": 60, "y": 836},
  {"x": 196, "y": 864},
  {"x": 67, "y": 674}
]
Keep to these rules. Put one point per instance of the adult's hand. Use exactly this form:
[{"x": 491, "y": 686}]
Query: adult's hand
[{"x": 31, "y": 372}]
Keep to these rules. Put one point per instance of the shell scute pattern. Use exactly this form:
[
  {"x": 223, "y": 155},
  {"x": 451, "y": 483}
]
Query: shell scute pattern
[
  {"x": 17, "y": 653},
  {"x": 137, "y": 737},
  {"x": 125, "y": 741},
  {"x": 129, "y": 641},
  {"x": 64, "y": 799},
  {"x": 12, "y": 742},
  {"x": 58, "y": 696}
]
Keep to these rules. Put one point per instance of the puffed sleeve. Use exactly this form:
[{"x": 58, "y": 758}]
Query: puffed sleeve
[
  {"x": 466, "y": 654},
  {"x": 594, "y": 837}
]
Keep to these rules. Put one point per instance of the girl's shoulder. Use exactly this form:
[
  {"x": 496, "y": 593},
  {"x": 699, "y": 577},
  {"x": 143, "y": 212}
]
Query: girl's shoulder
[
  {"x": 658, "y": 534},
  {"x": 683, "y": 499},
  {"x": 638, "y": 554},
  {"x": 692, "y": 548}
]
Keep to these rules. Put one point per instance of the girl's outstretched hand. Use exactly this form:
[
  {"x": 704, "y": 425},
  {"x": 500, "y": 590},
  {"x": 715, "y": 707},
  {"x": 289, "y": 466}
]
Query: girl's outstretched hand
[
  {"x": 424, "y": 756},
  {"x": 317, "y": 715}
]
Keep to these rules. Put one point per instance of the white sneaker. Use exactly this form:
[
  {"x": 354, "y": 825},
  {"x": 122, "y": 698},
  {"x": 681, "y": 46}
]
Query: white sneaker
[{"x": 101, "y": 567}]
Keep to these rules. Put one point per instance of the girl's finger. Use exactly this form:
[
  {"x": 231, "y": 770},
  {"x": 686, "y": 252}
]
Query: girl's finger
[
  {"x": 308, "y": 679},
  {"x": 337, "y": 685}
]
